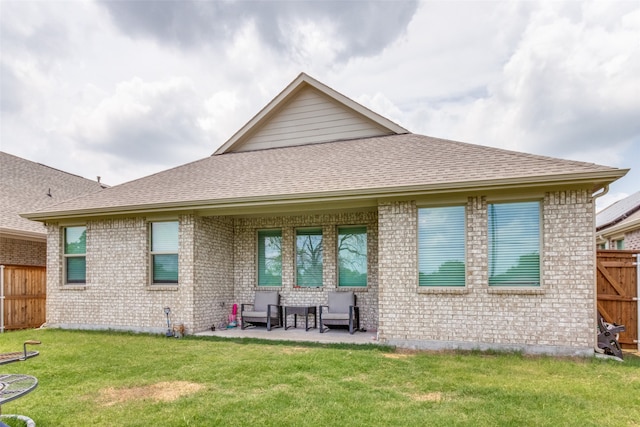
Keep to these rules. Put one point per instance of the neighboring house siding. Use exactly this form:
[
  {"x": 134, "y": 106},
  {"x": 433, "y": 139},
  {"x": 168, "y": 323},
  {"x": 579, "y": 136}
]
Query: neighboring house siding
[
  {"x": 246, "y": 268},
  {"x": 22, "y": 252},
  {"x": 557, "y": 317}
]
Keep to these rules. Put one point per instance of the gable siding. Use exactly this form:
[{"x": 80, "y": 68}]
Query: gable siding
[{"x": 309, "y": 118}]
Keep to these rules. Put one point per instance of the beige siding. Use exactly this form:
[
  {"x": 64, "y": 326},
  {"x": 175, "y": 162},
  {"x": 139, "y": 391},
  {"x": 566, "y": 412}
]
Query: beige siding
[{"x": 311, "y": 117}]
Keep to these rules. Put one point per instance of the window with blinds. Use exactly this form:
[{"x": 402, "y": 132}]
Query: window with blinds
[
  {"x": 75, "y": 251},
  {"x": 270, "y": 258},
  {"x": 309, "y": 257},
  {"x": 352, "y": 256},
  {"x": 514, "y": 244},
  {"x": 164, "y": 252},
  {"x": 441, "y": 246}
]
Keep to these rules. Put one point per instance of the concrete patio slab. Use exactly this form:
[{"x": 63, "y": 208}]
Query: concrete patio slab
[{"x": 332, "y": 336}]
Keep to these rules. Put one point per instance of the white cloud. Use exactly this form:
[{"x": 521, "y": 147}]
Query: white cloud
[
  {"x": 570, "y": 87},
  {"x": 147, "y": 121}
]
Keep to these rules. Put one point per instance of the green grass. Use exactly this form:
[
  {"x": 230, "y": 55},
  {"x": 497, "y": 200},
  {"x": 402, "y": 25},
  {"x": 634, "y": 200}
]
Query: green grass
[{"x": 108, "y": 378}]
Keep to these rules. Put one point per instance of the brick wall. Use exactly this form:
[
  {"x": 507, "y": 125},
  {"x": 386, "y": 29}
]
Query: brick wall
[
  {"x": 213, "y": 293},
  {"x": 245, "y": 260},
  {"x": 117, "y": 294},
  {"x": 22, "y": 252},
  {"x": 218, "y": 267},
  {"x": 632, "y": 240},
  {"x": 557, "y": 317}
]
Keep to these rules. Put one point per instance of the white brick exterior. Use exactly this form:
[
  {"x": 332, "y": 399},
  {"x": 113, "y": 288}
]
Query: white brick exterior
[
  {"x": 557, "y": 317},
  {"x": 218, "y": 267}
]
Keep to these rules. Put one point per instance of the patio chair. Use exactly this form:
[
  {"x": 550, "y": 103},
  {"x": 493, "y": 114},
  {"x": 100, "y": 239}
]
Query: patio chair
[
  {"x": 340, "y": 310},
  {"x": 265, "y": 309}
]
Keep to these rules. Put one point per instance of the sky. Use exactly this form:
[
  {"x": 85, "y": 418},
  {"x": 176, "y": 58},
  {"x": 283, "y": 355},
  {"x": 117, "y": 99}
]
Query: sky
[{"x": 123, "y": 89}]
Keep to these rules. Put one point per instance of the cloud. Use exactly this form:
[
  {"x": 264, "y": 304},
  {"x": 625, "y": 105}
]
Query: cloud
[
  {"x": 12, "y": 90},
  {"x": 144, "y": 122},
  {"x": 568, "y": 89},
  {"x": 358, "y": 28}
]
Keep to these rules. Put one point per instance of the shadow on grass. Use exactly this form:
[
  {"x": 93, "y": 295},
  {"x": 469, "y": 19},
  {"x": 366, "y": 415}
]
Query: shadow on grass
[{"x": 289, "y": 343}]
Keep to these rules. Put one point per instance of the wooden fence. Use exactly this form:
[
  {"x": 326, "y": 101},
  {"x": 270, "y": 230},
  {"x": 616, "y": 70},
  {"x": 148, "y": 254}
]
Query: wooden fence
[
  {"x": 617, "y": 283},
  {"x": 25, "y": 295}
]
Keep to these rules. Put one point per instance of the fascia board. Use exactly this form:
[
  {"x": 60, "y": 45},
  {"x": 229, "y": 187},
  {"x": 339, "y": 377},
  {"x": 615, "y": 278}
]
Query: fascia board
[
  {"x": 357, "y": 196},
  {"x": 620, "y": 228},
  {"x": 22, "y": 234}
]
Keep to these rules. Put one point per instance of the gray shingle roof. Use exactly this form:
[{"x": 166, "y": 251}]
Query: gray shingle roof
[
  {"x": 618, "y": 211},
  {"x": 25, "y": 186},
  {"x": 380, "y": 165}
]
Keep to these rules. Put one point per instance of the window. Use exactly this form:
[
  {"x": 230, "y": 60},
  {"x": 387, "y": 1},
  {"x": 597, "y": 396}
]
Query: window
[
  {"x": 309, "y": 257},
  {"x": 75, "y": 254},
  {"x": 270, "y": 258},
  {"x": 164, "y": 252},
  {"x": 352, "y": 256},
  {"x": 441, "y": 246},
  {"x": 514, "y": 244},
  {"x": 619, "y": 244}
]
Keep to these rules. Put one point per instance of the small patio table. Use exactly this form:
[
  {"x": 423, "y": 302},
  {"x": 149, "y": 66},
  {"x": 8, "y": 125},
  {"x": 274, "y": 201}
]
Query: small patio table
[{"x": 305, "y": 311}]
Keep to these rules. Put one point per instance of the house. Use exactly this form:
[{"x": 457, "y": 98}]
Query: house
[
  {"x": 618, "y": 226},
  {"x": 446, "y": 244},
  {"x": 24, "y": 186}
]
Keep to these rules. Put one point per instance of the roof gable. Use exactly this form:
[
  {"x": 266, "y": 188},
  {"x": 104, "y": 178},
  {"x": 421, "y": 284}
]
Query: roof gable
[{"x": 308, "y": 112}]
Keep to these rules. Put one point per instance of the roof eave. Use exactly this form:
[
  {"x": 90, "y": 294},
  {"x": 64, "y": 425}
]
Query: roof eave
[
  {"x": 23, "y": 234},
  {"x": 620, "y": 228},
  {"x": 596, "y": 179}
]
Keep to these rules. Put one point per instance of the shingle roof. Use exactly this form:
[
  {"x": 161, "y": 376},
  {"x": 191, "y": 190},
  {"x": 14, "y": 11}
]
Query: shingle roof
[
  {"x": 373, "y": 166},
  {"x": 25, "y": 185},
  {"x": 618, "y": 211}
]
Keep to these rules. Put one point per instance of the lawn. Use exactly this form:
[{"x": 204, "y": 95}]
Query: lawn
[{"x": 119, "y": 379}]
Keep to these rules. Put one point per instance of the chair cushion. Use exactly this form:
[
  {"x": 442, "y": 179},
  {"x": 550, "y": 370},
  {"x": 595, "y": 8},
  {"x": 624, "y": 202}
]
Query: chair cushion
[
  {"x": 339, "y": 302},
  {"x": 259, "y": 314},
  {"x": 335, "y": 316},
  {"x": 263, "y": 299}
]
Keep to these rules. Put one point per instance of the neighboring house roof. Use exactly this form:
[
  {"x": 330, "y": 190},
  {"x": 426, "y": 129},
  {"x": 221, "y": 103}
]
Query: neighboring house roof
[
  {"x": 25, "y": 185},
  {"x": 621, "y": 217},
  {"x": 618, "y": 211},
  {"x": 248, "y": 177}
]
